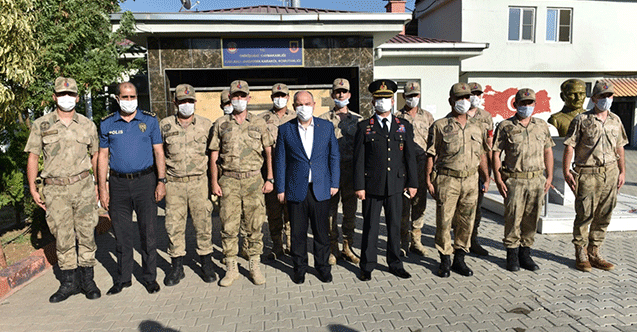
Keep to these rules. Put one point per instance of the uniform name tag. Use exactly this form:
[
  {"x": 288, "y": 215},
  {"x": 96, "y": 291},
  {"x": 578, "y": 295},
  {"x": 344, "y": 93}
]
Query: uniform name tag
[{"x": 115, "y": 132}]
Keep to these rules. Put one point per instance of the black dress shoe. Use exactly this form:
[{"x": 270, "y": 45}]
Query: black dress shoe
[
  {"x": 152, "y": 287},
  {"x": 298, "y": 278},
  {"x": 117, "y": 287},
  {"x": 400, "y": 273},
  {"x": 365, "y": 276},
  {"x": 327, "y": 277}
]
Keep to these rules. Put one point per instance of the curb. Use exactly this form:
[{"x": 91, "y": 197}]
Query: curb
[{"x": 19, "y": 274}]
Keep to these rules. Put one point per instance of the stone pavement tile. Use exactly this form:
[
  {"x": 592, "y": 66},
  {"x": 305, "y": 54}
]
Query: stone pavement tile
[
  {"x": 441, "y": 313},
  {"x": 117, "y": 317},
  {"x": 181, "y": 324},
  {"x": 327, "y": 322},
  {"x": 481, "y": 326},
  {"x": 378, "y": 326},
  {"x": 626, "y": 328},
  {"x": 180, "y": 315},
  {"x": 453, "y": 320},
  {"x": 246, "y": 326},
  {"x": 454, "y": 328},
  {"x": 387, "y": 316},
  {"x": 141, "y": 317},
  {"x": 302, "y": 323},
  {"x": 248, "y": 311},
  {"x": 127, "y": 325},
  {"x": 361, "y": 318},
  {"x": 204, "y": 313},
  {"x": 321, "y": 313},
  {"x": 279, "y": 325},
  {"x": 627, "y": 320},
  {"x": 343, "y": 312},
  {"x": 405, "y": 324},
  {"x": 214, "y": 324}
]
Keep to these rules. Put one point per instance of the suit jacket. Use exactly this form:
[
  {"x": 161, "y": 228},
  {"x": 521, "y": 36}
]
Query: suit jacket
[
  {"x": 384, "y": 161},
  {"x": 293, "y": 164}
]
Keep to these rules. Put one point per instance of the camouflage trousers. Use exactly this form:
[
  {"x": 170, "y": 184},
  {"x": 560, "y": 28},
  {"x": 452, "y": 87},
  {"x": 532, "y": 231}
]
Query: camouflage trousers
[
  {"x": 347, "y": 196},
  {"x": 71, "y": 213},
  {"x": 456, "y": 200},
  {"x": 181, "y": 197},
  {"x": 242, "y": 196},
  {"x": 415, "y": 207},
  {"x": 522, "y": 208},
  {"x": 595, "y": 199},
  {"x": 278, "y": 218}
]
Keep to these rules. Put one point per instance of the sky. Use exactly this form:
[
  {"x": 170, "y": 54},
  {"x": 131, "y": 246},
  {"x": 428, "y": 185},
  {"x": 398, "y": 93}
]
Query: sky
[{"x": 174, "y": 5}]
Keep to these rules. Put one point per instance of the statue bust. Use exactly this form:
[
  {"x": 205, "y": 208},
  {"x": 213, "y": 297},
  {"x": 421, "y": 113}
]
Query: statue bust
[{"x": 573, "y": 94}]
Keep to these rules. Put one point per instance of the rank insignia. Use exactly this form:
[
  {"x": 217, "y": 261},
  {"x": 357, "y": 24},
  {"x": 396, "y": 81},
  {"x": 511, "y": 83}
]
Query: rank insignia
[{"x": 142, "y": 127}]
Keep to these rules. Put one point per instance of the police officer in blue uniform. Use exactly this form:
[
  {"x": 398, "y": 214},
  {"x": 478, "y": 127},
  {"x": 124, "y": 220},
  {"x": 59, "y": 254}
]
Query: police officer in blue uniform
[
  {"x": 384, "y": 168},
  {"x": 130, "y": 140}
]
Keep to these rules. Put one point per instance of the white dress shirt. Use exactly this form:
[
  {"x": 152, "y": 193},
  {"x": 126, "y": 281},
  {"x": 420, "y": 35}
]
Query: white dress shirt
[
  {"x": 380, "y": 121},
  {"x": 307, "y": 138}
]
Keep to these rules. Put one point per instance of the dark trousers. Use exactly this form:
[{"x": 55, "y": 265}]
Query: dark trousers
[
  {"x": 126, "y": 196},
  {"x": 318, "y": 213},
  {"x": 393, "y": 206}
]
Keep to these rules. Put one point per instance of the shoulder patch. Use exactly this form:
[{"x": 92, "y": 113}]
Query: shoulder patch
[
  {"x": 224, "y": 126},
  {"x": 149, "y": 113},
  {"x": 166, "y": 127},
  {"x": 108, "y": 116},
  {"x": 44, "y": 126}
]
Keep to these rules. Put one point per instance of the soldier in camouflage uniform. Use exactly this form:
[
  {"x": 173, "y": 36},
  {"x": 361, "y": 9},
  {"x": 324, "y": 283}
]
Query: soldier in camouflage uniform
[
  {"x": 527, "y": 146},
  {"x": 457, "y": 147},
  {"x": 485, "y": 119},
  {"x": 411, "y": 233},
  {"x": 69, "y": 144},
  {"x": 597, "y": 137},
  {"x": 278, "y": 219},
  {"x": 186, "y": 137},
  {"x": 345, "y": 129},
  {"x": 240, "y": 139}
]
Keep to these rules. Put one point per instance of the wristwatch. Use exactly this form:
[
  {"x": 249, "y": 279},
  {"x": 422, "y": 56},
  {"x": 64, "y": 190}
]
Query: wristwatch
[
  {"x": 162, "y": 180},
  {"x": 270, "y": 180}
]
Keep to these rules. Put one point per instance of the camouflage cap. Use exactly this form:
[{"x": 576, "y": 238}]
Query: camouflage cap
[
  {"x": 412, "y": 88},
  {"x": 340, "y": 84},
  {"x": 280, "y": 88},
  {"x": 476, "y": 87},
  {"x": 225, "y": 96},
  {"x": 185, "y": 91},
  {"x": 460, "y": 89},
  {"x": 64, "y": 84},
  {"x": 382, "y": 88},
  {"x": 239, "y": 86},
  {"x": 525, "y": 94},
  {"x": 602, "y": 87}
]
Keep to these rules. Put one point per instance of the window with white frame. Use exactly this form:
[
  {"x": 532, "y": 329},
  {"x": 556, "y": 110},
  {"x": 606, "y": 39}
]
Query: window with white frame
[
  {"x": 522, "y": 24},
  {"x": 558, "y": 24}
]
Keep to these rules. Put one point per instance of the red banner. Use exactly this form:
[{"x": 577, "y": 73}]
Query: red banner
[{"x": 501, "y": 103}]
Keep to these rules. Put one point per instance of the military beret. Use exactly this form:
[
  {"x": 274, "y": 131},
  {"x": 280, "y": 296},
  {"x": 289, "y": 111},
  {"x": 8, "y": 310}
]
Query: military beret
[{"x": 382, "y": 88}]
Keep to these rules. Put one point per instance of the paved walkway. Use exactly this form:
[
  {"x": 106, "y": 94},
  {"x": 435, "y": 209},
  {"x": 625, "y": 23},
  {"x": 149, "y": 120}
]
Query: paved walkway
[{"x": 555, "y": 298}]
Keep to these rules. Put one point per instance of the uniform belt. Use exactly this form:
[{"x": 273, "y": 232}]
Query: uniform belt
[
  {"x": 457, "y": 174},
  {"x": 69, "y": 180},
  {"x": 241, "y": 175},
  {"x": 592, "y": 169},
  {"x": 522, "y": 175},
  {"x": 187, "y": 178},
  {"x": 131, "y": 176}
]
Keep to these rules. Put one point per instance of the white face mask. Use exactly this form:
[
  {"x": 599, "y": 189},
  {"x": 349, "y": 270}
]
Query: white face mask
[
  {"x": 66, "y": 103},
  {"x": 412, "y": 101},
  {"x": 239, "y": 105},
  {"x": 383, "y": 105},
  {"x": 462, "y": 106},
  {"x": 476, "y": 101},
  {"x": 187, "y": 109},
  {"x": 128, "y": 106},
  {"x": 280, "y": 102},
  {"x": 228, "y": 109},
  {"x": 604, "y": 104},
  {"x": 304, "y": 112},
  {"x": 341, "y": 103},
  {"x": 525, "y": 111}
]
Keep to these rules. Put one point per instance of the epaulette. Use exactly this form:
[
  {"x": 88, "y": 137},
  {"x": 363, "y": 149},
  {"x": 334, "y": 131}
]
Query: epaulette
[
  {"x": 150, "y": 113},
  {"x": 108, "y": 116}
]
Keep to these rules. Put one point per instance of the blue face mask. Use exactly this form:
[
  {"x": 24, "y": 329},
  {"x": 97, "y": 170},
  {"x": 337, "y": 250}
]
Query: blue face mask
[
  {"x": 525, "y": 111},
  {"x": 604, "y": 104}
]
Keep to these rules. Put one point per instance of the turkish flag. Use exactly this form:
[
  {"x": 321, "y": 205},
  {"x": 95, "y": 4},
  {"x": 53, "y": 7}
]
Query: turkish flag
[{"x": 501, "y": 103}]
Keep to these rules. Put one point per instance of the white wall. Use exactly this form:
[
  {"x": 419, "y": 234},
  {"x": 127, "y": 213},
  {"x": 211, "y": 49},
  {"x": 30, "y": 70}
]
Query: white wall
[
  {"x": 437, "y": 75},
  {"x": 603, "y": 35}
]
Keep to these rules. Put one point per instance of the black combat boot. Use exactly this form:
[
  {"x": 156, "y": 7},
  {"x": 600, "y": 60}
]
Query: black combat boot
[
  {"x": 208, "y": 268},
  {"x": 89, "y": 288},
  {"x": 459, "y": 265},
  {"x": 445, "y": 266},
  {"x": 176, "y": 272},
  {"x": 526, "y": 262},
  {"x": 513, "y": 264},
  {"x": 69, "y": 285}
]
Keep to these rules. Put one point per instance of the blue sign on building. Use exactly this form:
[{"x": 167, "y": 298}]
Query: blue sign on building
[{"x": 262, "y": 52}]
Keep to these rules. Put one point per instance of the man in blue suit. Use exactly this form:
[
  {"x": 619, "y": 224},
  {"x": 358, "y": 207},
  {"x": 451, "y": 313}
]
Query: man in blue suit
[{"x": 307, "y": 176}]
